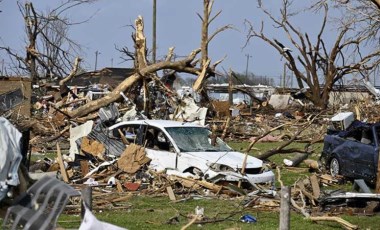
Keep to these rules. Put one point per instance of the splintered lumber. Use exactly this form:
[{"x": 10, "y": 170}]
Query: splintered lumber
[
  {"x": 195, "y": 184},
  {"x": 93, "y": 147},
  {"x": 302, "y": 188},
  {"x": 339, "y": 220},
  {"x": 315, "y": 186},
  {"x": 84, "y": 168},
  {"x": 226, "y": 126},
  {"x": 123, "y": 198},
  {"x": 132, "y": 158},
  {"x": 123, "y": 138},
  {"x": 62, "y": 165},
  {"x": 170, "y": 192},
  {"x": 119, "y": 187},
  {"x": 198, "y": 83}
]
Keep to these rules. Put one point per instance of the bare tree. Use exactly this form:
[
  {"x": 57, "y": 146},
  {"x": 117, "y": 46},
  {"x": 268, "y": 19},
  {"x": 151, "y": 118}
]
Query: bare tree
[
  {"x": 318, "y": 65},
  {"x": 207, "y": 69},
  {"x": 365, "y": 12},
  {"x": 49, "y": 50}
]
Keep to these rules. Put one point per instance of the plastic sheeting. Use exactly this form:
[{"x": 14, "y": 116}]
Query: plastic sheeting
[
  {"x": 91, "y": 223},
  {"x": 10, "y": 156}
]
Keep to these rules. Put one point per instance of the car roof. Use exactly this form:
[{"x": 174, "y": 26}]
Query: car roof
[{"x": 156, "y": 123}]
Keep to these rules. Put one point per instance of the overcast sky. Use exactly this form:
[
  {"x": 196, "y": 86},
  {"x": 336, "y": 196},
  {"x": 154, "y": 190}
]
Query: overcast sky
[{"x": 177, "y": 25}]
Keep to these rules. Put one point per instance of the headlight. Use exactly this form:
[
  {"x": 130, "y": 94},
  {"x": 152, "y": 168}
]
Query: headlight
[{"x": 220, "y": 168}]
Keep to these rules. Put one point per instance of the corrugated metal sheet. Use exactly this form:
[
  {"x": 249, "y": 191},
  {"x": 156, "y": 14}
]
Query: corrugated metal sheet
[{"x": 113, "y": 146}]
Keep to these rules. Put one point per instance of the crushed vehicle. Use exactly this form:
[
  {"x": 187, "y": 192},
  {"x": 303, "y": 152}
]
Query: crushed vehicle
[
  {"x": 352, "y": 151},
  {"x": 187, "y": 148}
]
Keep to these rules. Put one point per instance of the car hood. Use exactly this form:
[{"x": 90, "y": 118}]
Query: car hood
[{"x": 232, "y": 159}]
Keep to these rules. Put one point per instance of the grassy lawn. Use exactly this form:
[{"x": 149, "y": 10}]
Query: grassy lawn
[{"x": 154, "y": 212}]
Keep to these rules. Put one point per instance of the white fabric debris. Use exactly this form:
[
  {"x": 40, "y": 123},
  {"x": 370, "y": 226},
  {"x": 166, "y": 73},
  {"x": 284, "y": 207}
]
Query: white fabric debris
[
  {"x": 75, "y": 134},
  {"x": 91, "y": 223}
]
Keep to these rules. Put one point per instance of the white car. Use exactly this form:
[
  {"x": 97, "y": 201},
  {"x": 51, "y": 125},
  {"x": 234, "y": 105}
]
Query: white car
[{"x": 187, "y": 148}]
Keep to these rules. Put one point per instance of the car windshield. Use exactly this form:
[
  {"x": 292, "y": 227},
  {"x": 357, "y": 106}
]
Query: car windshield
[{"x": 195, "y": 139}]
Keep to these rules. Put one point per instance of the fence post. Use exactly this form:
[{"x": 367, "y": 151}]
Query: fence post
[{"x": 285, "y": 208}]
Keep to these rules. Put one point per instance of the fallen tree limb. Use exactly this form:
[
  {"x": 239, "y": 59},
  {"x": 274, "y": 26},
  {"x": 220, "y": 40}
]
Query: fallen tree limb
[
  {"x": 56, "y": 136},
  {"x": 113, "y": 96},
  {"x": 253, "y": 143},
  {"x": 280, "y": 148},
  {"x": 72, "y": 73}
]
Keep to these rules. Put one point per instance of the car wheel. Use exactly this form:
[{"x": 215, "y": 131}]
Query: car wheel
[{"x": 334, "y": 167}]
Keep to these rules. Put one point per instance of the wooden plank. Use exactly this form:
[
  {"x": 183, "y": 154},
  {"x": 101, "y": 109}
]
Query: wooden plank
[
  {"x": 170, "y": 192},
  {"x": 119, "y": 186},
  {"x": 315, "y": 186},
  {"x": 84, "y": 168},
  {"x": 123, "y": 138},
  {"x": 62, "y": 165}
]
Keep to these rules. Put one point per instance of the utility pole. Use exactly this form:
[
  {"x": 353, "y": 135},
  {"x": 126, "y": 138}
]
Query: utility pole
[
  {"x": 2, "y": 67},
  {"x": 154, "y": 30},
  {"x": 246, "y": 68},
  {"x": 111, "y": 62},
  {"x": 96, "y": 59},
  {"x": 230, "y": 94},
  {"x": 283, "y": 77}
]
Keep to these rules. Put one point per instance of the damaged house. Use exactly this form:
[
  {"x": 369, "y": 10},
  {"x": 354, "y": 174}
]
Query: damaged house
[{"x": 15, "y": 95}]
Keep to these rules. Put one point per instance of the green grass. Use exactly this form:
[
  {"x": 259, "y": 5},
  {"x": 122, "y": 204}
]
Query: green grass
[{"x": 153, "y": 212}]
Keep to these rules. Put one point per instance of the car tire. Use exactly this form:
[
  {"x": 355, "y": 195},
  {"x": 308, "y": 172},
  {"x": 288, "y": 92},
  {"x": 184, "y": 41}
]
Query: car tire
[{"x": 335, "y": 167}]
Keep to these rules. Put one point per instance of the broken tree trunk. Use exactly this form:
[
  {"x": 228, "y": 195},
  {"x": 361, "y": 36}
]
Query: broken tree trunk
[
  {"x": 198, "y": 83},
  {"x": 182, "y": 65},
  {"x": 143, "y": 71},
  {"x": 72, "y": 73}
]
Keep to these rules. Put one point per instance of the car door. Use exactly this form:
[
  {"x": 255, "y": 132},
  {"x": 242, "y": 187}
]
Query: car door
[
  {"x": 368, "y": 149},
  {"x": 159, "y": 148}
]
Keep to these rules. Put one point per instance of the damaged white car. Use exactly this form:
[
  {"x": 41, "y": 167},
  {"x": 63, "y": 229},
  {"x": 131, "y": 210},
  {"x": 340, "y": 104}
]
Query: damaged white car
[{"x": 187, "y": 148}]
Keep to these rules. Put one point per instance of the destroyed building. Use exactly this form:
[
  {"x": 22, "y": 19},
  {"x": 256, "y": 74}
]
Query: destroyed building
[{"x": 15, "y": 95}]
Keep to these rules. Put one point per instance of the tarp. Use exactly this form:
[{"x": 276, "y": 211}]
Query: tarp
[{"x": 10, "y": 156}]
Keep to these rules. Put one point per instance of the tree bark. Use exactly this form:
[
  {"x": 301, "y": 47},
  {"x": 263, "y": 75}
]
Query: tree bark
[
  {"x": 207, "y": 5},
  {"x": 376, "y": 2},
  {"x": 72, "y": 73}
]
